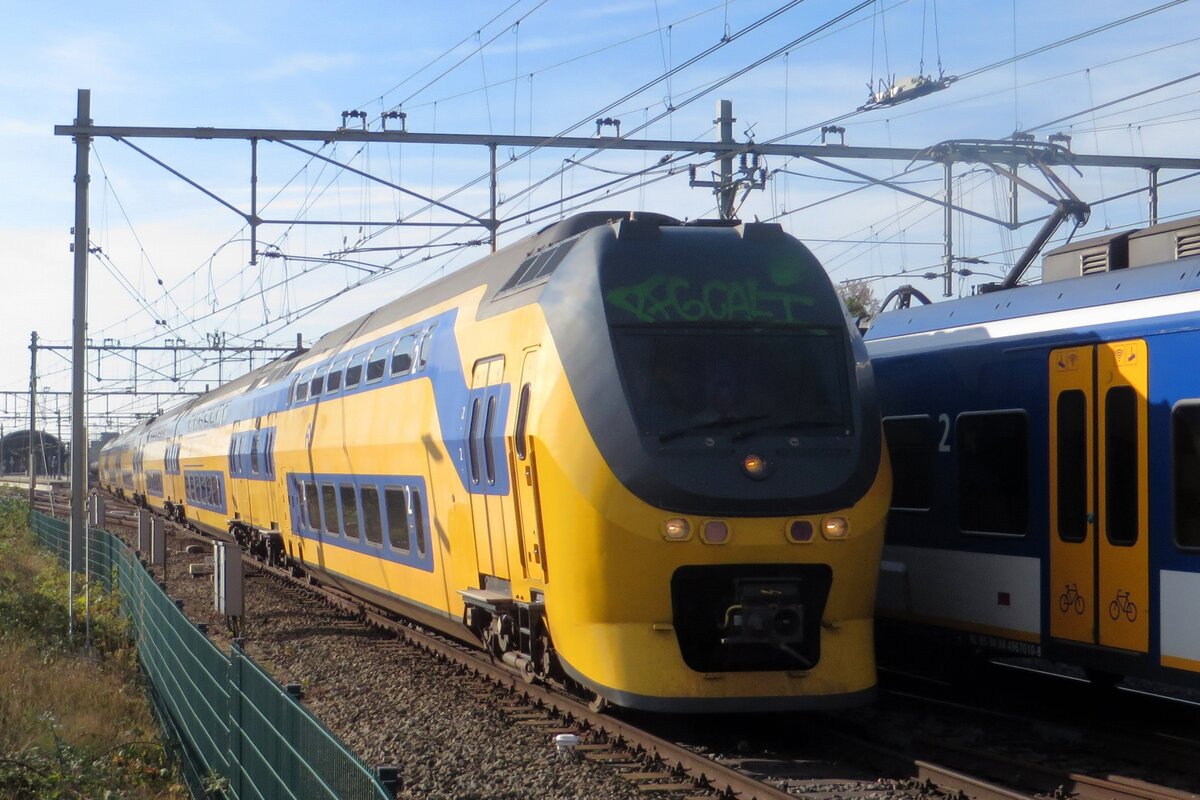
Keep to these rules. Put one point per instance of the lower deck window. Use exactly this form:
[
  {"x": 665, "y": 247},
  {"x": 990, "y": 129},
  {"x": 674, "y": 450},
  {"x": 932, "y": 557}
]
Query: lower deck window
[
  {"x": 1185, "y": 438},
  {"x": 911, "y": 442},
  {"x": 329, "y": 507},
  {"x": 993, "y": 472},
  {"x": 372, "y": 524},
  {"x": 397, "y": 518}
]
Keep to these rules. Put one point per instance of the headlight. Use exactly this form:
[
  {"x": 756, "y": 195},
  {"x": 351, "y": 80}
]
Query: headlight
[
  {"x": 835, "y": 528},
  {"x": 676, "y": 530},
  {"x": 715, "y": 532},
  {"x": 755, "y": 466}
]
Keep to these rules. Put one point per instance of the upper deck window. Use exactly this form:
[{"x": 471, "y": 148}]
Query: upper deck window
[
  {"x": 402, "y": 355},
  {"x": 355, "y": 370},
  {"x": 376, "y": 362},
  {"x": 334, "y": 380}
]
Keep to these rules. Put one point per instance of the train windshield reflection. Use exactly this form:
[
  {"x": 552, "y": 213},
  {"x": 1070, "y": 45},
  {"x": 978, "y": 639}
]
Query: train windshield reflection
[{"x": 684, "y": 381}]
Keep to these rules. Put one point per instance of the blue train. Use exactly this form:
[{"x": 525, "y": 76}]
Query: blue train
[{"x": 1045, "y": 443}]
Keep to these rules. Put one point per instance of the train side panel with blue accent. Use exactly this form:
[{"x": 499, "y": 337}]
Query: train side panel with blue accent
[
  {"x": 629, "y": 454},
  {"x": 1046, "y": 446}
]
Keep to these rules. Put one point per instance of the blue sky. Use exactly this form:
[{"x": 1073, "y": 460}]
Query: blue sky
[{"x": 299, "y": 65}]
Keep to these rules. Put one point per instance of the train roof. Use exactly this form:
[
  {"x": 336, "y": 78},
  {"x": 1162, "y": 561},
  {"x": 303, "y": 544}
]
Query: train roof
[{"x": 1163, "y": 290}]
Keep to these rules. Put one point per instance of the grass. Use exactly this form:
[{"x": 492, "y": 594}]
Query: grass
[{"x": 72, "y": 724}]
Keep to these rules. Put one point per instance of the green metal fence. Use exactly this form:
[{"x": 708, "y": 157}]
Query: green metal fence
[{"x": 238, "y": 730}]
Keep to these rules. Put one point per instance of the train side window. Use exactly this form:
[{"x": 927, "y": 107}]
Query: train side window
[
  {"x": 349, "y": 500},
  {"x": 425, "y": 348},
  {"x": 1071, "y": 444},
  {"x": 912, "y": 442},
  {"x": 318, "y": 383},
  {"x": 1185, "y": 449},
  {"x": 233, "y": 454},
  {"x": 489, "y": 455},
  {"x": 333, "y": 382},
  {"x": 354, "y": 370},
  {"x": 402, "y": 355},
  {"x": 371, "y": 521},
  {"x": 329, "y": 507},
  {"x": 312, "y": 506},
  {"x": 473, "y": 441},
  {"x": 376, "y": 362},
  {"x": 397, "y": 518},
  {"x": 418, "y": 522},
  {"x": 1122, "y": 495},
  {"x": 254, "y": 460},
  {"x": 522, "y": 421},
  {"x": 993, "y": 472},
  {"x": 302, "y": 387}
]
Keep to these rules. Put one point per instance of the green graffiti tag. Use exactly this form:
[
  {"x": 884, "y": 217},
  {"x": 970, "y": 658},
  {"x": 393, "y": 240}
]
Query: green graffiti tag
[{"x": 662, "y": 298}]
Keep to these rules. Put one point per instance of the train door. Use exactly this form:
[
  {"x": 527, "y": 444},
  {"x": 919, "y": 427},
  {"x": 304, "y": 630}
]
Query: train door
[
  {"x": 239, "y": 458},
  {"x": 1099, "y": 554},
  {"x": 524, "y": 475},
  {"x": 485, "y": 460}
]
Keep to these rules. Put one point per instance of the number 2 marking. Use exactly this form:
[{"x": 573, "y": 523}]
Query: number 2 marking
[{"x": 943, "y": 447}]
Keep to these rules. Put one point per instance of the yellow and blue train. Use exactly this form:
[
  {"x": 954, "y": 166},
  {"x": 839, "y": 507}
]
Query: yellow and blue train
[
  {"x": 635, "y": 455},
  {"x": 1046, "y": 445}
]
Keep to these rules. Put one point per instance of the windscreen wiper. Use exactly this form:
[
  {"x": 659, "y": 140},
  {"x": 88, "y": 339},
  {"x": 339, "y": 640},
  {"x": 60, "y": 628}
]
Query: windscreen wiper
[{"x": 719, "y": 422}]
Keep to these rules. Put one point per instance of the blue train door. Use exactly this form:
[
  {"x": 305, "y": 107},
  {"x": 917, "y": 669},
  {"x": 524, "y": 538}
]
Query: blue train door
[{"x": 1099, "y": 553}]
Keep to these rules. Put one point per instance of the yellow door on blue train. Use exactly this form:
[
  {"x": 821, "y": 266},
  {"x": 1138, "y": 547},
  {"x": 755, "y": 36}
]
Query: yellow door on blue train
[
  {"x": 524, "y": 477},
  {"x": 485, "y": 460},
  {"x": 1099, "y": 512}
]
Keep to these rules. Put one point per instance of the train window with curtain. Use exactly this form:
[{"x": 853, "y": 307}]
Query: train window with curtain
[
  {"x": 397, "y": 518},
  {"x": 1071, "y": 444},
  {"x": 418, "y": 522},
  {"x": 329, "y": 507},
  {"x": 489, "y": 455},
  {"x": 912, "y": 442},
  {"x": 473, "y": 441},
  {"x": 349, "y": 510},
  {"x": 402, "y": 355},
  {"x": 376, "y": 362},
  {"x": 1122, "y": 494},
  {"x": 993, "y": 472},
  {"x": 372, "y": 523},
  {"x": 354, "y": 371},
  {"x": 1185, "y": 451},
  {"x": 333, "y": 382},
  {"x": 519, "y": 443}
]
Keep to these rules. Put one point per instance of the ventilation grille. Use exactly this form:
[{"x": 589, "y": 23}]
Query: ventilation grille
[
  {"x": 1093, "y": 261},
  {"x": 538, "y": 267},
  {"x": 1187, "y": 244}
]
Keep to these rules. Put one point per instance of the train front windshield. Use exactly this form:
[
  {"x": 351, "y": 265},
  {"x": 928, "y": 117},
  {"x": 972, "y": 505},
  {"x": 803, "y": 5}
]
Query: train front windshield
[
  {"x": 735, "y": 381},
  {"x": 728, "y": 336}
]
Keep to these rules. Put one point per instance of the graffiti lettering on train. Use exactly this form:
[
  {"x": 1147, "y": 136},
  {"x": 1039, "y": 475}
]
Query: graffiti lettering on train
[{"x": 662, "y": 298}]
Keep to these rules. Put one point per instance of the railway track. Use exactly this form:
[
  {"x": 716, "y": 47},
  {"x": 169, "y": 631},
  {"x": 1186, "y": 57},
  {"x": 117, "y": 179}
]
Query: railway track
[{"x": 658, "y": 765}]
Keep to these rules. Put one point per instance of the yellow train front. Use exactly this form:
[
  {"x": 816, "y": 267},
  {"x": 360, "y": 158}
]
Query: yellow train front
[{"x": 633, "y": 455}]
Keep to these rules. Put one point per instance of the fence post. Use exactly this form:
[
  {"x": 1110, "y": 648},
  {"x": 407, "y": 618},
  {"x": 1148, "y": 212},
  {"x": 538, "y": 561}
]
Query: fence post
[{"x": 236, "y": 734}]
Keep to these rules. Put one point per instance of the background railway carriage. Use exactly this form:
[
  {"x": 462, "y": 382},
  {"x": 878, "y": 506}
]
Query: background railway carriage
[
  {"x": 1046, "y": 445},
  {"x": 642, "y": 456}
]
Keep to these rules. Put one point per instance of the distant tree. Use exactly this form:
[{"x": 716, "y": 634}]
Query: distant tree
[{"x": 859, "y": 299}]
